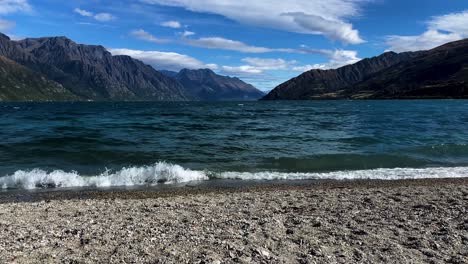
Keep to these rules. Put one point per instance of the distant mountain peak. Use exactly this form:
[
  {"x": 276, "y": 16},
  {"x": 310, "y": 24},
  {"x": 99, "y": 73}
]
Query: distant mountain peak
[{"x": 205, "y": 84}]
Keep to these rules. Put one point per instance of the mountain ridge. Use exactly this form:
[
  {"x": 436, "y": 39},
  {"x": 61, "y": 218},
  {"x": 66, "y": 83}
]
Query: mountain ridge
[
  {"x": 90, "y": 72},
  {"x": 381, "y": 77},
  {"x": 206, "y": 85}
]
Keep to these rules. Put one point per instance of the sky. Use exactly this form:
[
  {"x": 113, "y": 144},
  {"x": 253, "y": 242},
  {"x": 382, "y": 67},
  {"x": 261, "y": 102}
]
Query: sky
[{"x": 263, "y": 42}]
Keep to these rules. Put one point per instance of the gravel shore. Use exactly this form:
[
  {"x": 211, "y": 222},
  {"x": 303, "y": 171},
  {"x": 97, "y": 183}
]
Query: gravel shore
[{"x": 423, "y": 221}]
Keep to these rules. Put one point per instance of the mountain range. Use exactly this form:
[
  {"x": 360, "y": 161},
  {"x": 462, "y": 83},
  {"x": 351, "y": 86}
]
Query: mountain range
[
  {"x": 441, "y": 72},
  {"x": 57, "y": 69},
  {"x": 205, "y": 85}
]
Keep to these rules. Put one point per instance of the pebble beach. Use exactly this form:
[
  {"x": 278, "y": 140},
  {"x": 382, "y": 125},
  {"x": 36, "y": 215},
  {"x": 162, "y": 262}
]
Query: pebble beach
[{"x": 415, "y": 221}]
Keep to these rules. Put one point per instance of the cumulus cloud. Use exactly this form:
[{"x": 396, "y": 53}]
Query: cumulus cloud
[
  {"x": 454, "y": 22},
  {"x": 143, "y": 35},
  {"x": 171, "y": 24},
  {"x": 102, "y": 17},
  {"x": 440, "y": 30},
  {"x": 6, "y": 25},
  {"x": 339, "y": 58},
  {"x": 13, "y": 6},
  {"x": 164, "y": 60},
  {"x": 328, "y": 18}
]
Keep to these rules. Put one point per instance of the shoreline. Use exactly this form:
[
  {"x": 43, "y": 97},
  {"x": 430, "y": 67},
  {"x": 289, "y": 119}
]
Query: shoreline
[
  {"x": 207, "y": 187},
  {"x": 403, "y": 221}
]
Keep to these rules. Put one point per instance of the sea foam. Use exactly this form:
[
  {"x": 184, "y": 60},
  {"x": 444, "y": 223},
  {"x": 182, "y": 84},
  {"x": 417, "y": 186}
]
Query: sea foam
[
  {"x": 374, "y": 174},
  {"x": 165, "y": 173},
  {"x": 159, "y": 173}
]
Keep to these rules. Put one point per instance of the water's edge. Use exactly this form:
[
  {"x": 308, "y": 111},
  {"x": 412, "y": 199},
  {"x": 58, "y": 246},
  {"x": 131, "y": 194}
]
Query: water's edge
[{"x": 163, "y": 173}]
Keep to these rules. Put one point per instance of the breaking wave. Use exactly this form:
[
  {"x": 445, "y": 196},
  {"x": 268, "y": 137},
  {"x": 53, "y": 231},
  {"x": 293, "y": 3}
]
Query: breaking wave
[
  {"x": 165, "y": 173},
  {"x": 159, "y": 173}
]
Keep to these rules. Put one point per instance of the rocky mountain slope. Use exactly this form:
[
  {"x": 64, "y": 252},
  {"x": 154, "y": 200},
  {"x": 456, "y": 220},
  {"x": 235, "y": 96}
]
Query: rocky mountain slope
[
  {"x": 18, "y": 83},
  {"x": 206, "y": 85},
  {"x": 438, "y": 73},
  {"x": 89, "y": 72}
]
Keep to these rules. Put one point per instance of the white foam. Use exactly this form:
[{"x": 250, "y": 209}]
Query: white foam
[
  {"x": 136, "y": 176},
  {"x": 376, "y": 174},
  {"x": 165, "y": 173}
]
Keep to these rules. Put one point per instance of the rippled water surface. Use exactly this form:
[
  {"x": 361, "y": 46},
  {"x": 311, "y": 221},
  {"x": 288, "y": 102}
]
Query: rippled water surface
[{"x": 249, "y": 137}]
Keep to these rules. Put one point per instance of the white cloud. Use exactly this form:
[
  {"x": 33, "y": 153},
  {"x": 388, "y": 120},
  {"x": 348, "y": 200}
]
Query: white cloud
[
  {"x": 440, "y": 30},
  {"x": 102, "y": 17},
  {"x": 143, "y": 35},
  {"x": 6, "y": 25},
  {"x": 171, "y": 24},
  {"x": 269, "y": 64},
  {"x": 225, "y": 44},
  {"x": 164, "y": 60},
  {"x": 83, "y": 12},
  {"x": 330, "y": 28},
  {"x": 240, "y": 70},
  {"x": 187, "y": 33},
  {"x": 258, "y": 66},
  {"x": 454, "y": 22},
  {"x": 13, "y": 6},
  {"x": 302, "y": 16},
  {"x": 339, "y": 58},
  {"x": 309, "y": 67}
]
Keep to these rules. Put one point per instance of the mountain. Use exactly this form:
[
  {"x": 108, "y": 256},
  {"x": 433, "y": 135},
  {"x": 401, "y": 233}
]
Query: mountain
[
  {"x": 206, "y": 85},
  {"x": 318, "y": 84},
  {"x": 171, "y": 74},
  {"x": 18, "y": 83},
  {"x": 91, "y": 72},
  {"x": 437, "y": 73}
]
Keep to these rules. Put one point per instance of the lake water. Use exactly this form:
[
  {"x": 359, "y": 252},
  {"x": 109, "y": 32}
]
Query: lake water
[{"x": 126, "y": 144}]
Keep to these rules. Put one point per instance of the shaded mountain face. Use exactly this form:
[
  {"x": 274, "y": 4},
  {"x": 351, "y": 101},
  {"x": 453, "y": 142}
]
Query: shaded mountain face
[
  {"x": 318, "y": 84},
  {"x": 206, "y": 85},
  {"x": 91, "y": 72},
  {"x": 18, "y": 83},
  {"x": 438, "y": 73}
]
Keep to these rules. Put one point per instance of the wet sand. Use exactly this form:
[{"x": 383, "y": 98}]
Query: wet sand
[{"x": 413, "y": 221}]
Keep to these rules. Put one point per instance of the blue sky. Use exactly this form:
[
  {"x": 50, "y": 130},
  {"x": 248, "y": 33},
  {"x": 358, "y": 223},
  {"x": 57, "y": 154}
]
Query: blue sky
[{"x": 264, "y": 42}]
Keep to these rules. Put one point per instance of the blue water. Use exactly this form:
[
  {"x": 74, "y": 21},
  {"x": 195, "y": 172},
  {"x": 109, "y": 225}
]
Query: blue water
[{"x": 247, "y": 138}]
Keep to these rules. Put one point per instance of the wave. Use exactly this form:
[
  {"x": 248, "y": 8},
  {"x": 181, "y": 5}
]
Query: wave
[
  {"x": 166, "y": 173},
  {"x": 159, "y": 173}
]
